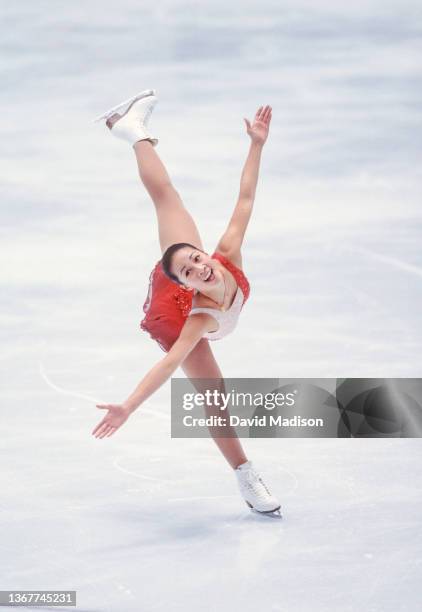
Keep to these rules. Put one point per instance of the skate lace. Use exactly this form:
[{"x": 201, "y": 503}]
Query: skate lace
[{"x": 255, "y": 484}]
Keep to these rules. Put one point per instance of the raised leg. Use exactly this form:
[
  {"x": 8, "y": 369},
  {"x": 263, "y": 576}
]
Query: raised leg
[
  {"x": 201, "y": 363},
  {"x": 175, "y": 223}
]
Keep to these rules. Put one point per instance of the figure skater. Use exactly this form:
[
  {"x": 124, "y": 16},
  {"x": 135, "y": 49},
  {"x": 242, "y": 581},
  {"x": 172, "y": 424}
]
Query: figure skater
[{"x": 193, "y": 297}]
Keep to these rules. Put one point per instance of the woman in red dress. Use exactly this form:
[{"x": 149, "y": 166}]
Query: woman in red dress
[{"x": 193, "y": 297}]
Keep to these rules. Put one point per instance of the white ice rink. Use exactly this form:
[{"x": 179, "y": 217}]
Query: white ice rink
[{"x": 141, "y": 522}]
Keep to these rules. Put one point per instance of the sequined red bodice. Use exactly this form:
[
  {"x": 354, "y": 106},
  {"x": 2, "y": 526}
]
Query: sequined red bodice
[{"x": 168, "y": 304}]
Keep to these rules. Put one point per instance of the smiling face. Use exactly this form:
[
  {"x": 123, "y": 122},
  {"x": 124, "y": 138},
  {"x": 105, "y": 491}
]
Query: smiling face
[{"x": 195, "y": 269}]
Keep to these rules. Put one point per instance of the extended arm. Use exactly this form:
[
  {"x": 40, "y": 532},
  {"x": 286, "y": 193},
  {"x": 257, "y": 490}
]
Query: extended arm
[
  {"x": 231, "y": 241},
  {"x": 193, "y": 330}
]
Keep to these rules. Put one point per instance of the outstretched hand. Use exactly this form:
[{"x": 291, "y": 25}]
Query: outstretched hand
[
  {"x": 116, "y": 416},
  {"x": 259, "y": 129}
]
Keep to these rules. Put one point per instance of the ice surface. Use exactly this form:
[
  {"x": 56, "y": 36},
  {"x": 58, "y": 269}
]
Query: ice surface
[{"x": 141, "y": 522}]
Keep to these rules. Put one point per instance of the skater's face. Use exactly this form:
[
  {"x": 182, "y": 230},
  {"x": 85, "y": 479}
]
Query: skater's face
[{"x": 195, "y": 269}]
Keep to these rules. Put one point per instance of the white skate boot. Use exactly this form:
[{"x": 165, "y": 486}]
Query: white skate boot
[
  {"x": 254, "y": 491},
  {"x": 134, "y": 116}
]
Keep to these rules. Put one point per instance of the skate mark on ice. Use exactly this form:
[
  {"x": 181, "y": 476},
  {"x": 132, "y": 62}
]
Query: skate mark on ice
[
  {"x": 89, "y": 398},
  {"x": 393, "y": 262},
  {"x": 63, "y": 391}
]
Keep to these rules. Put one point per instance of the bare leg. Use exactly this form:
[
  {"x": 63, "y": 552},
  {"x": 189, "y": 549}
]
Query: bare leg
[
  {"x": 175, "y": 224},
  {"x": 201, "y": 363}
]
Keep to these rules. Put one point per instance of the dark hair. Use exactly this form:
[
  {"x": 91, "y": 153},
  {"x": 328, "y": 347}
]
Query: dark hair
[{"x": 168, "y": 257}]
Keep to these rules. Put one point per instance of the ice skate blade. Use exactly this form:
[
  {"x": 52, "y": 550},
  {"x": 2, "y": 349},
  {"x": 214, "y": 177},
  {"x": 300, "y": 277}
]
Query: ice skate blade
[
  {"x": 123, "y": 107},
  {"x": 271, "y": 513}
]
